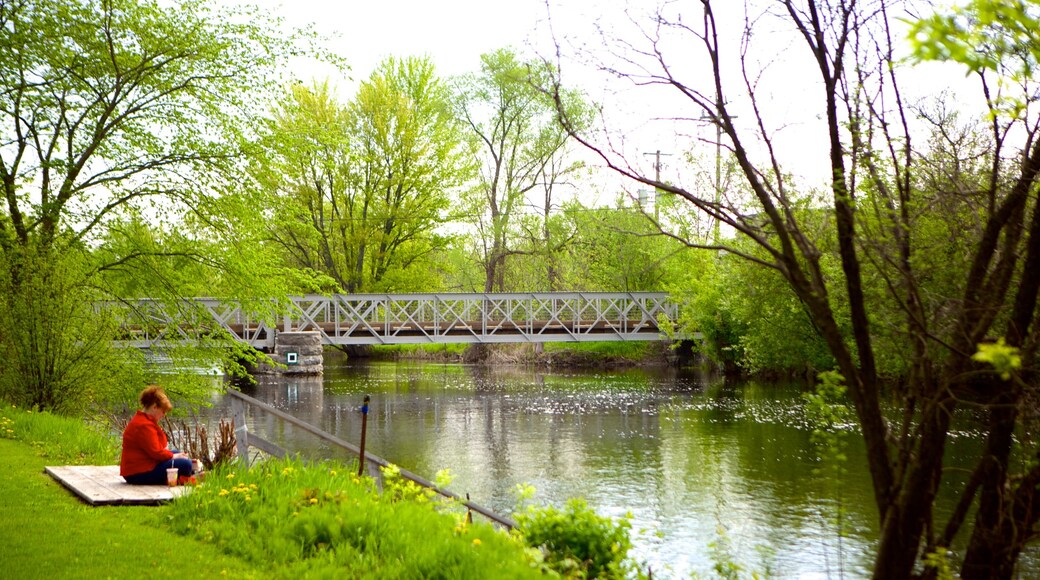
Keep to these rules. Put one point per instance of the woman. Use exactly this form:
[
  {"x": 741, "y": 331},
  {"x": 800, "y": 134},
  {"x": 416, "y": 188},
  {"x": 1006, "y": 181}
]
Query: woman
[{"x": 145, "y": 457}]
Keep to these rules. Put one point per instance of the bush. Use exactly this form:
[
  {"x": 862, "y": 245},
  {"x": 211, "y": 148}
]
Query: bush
[{"x": 578, "y": 543}]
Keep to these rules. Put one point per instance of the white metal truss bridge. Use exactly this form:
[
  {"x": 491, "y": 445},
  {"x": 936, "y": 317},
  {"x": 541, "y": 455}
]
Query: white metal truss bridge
[{"x": 356, "y": 319}]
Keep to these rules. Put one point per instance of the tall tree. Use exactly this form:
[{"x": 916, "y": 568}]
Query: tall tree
[
  {"x": 883, "y": 185},
  {"x": 362, "y": 188},
  {"x": 520, "y": 147},
  {"x": 107, "y": 107}
]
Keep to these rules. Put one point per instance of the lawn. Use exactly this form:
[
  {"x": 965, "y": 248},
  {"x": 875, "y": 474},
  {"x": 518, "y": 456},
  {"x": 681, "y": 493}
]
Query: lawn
[{"x": 46, "y": 532}]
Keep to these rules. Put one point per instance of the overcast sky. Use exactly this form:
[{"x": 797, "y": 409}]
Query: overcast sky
[{"x": 456, "y": 32}]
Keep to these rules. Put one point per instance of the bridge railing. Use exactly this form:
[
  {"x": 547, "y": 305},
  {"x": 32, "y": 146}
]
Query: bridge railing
[{"x": 414, "y": 318}]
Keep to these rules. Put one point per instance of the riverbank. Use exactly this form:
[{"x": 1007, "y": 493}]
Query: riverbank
[
  {"x": 278, "y": 519},
  {"x": 575, "y": 355}
]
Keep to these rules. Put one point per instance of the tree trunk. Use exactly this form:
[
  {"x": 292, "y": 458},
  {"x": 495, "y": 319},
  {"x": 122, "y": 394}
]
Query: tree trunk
[
  {"x": 992, "y": 551},
  {"x": 903, "y": 522}
]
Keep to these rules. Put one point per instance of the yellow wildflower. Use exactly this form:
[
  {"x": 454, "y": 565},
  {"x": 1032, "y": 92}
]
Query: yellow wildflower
[
  {"x": 314, "y": 500},
  {"x": 476, "y": 541}
]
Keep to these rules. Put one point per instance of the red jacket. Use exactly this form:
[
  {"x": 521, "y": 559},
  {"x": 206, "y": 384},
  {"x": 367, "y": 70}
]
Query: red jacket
[{"x": 144, "y": 445}]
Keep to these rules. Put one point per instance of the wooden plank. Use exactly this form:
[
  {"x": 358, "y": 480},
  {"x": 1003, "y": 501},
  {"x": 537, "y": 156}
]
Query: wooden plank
[
  {"x": 82, "y": 485},
  {"x": 102, "y": 485}
]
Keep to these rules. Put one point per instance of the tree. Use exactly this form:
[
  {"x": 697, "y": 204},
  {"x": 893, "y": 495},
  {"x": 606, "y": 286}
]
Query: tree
[
  {"x": 882, "y": 187},
  {"x": 520, "y": 148},
  {"x": 360, "y": 190},
  {"x": 107, "y": 108}
]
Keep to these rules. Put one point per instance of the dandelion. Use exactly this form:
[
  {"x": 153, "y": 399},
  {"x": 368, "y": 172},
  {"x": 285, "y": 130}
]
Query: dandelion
[
  {"x": 332, "y": 473},
  {"x": 476, "y": 541},
  {"x": 231, "y": 476},
  {"x": 248, "y": 498},
  {"x": 314, "y": 500},
  {"x": 223, "y": 493}
]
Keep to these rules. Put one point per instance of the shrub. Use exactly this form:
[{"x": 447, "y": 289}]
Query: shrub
[{"x": 576, "y": 542}]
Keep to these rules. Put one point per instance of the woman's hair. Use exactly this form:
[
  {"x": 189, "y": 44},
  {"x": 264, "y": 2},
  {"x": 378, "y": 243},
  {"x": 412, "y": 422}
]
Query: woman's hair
[{"x": 154, "y": 395}]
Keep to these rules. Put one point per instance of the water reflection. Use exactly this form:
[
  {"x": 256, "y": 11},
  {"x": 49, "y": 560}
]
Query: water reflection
[{"x": 696, "y": 463}]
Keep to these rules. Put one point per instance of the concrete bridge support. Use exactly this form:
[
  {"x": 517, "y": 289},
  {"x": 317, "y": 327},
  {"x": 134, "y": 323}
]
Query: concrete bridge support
[{"x": 300, "y": 352}]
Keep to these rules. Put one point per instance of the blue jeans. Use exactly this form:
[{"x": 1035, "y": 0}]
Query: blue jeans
[{"x": 157, "y": 476}]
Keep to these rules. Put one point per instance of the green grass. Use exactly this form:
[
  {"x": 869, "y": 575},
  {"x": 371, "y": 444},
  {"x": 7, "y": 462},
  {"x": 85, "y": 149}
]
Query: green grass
[
  {"x": 48, "y": 532},
  {"x": 449, "y": 350},
  {"x": 604, "y": 348},
  {"x": 60, "y": 439}
]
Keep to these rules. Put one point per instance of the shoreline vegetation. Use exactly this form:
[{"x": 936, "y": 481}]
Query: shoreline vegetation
[
  {"x": 279, "y": 518},
  {"x": 577, "y": 355}
]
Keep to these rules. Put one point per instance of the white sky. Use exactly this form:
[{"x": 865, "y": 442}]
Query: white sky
[
  {"x": 453, "y": 32},
  {"x": 456, "y": 32}
]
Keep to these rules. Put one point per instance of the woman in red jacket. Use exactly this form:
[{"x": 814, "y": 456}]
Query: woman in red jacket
[{"x": 145, "y": 457}]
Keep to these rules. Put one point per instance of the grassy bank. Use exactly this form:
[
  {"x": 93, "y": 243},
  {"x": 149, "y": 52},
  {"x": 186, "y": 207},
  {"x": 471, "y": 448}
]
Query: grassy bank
[
  {"x": 573, "y": 354},
  {"x": 47, "y": 532},
  {"x": 280, "y": 519}
]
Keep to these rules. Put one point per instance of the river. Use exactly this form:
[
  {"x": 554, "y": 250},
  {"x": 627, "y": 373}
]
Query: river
[{"x": 710, "y": 472}]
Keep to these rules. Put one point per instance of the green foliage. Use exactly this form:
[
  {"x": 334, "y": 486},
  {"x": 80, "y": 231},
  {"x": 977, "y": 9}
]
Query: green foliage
[
  {"x": 301, "y": 519},
  {"x": 521, "y": 150},
  {"x": 139, "y": 114},
  {"x": 939, "y": 562},
  {"x": 576, "y": 542},
  {"x": 619, "y": 249},
  {"x": 357, "y": 191},
  {"x": 723, "y": 563},
  {"x": 55, "y": 346},
  {"x": 752, "y": 320},
  {"x": 984, "y": 35},
  {"x": 1003, "y": 358}
]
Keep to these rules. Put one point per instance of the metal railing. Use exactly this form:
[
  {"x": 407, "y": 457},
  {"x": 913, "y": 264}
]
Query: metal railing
[
  {"x": 240, "y": 404},
  {"x": 354, "y": 319}
]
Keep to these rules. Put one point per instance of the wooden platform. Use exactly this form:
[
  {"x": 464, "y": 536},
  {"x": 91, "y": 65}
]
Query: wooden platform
[{"x": 102, "y": 485}]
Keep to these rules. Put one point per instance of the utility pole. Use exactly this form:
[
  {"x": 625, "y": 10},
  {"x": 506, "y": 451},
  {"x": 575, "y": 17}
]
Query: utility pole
[
  {"x": 657, "y": 177},
  {"x": 718, "y": 169}
]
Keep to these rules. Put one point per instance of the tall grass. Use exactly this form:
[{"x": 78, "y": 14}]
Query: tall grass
[
  {"x": 61, "y": 439},
  {"x": 317, "y": 519}
]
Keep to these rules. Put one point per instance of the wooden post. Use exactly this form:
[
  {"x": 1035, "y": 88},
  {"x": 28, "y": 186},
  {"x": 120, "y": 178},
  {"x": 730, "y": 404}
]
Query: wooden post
[
  {"x": 364, "y": 427},
  {"x": 238, "y": 415}
]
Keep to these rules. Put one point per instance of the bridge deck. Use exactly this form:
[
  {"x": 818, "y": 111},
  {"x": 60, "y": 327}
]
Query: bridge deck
[{"x": 415, "y": 318}]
